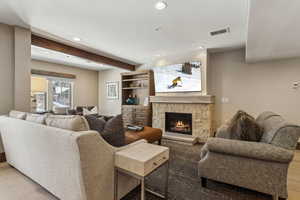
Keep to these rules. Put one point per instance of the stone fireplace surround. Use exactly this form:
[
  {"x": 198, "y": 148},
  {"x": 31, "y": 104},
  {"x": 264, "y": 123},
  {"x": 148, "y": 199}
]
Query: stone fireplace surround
[{"x": 201, "y": 108}]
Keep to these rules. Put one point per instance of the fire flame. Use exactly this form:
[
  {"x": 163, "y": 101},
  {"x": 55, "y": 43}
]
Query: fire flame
[{"x": 180, "y": 124}]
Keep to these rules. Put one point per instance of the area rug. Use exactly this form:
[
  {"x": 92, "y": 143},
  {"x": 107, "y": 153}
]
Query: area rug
[{"x": 184, "y": 183}]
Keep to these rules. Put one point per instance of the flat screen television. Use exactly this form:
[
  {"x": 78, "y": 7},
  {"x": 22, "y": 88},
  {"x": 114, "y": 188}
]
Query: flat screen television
[{"x": 178, "y": 78}]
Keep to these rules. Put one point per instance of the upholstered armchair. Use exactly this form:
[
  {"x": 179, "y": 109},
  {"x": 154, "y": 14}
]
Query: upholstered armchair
[{"x": 260, "y": 166}]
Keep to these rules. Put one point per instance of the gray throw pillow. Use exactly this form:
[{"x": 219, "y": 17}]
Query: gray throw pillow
[
  {"x": 244, "y": 127},
  {"x": 112, "y": 130},
  {"x": 96, "y": 124}
]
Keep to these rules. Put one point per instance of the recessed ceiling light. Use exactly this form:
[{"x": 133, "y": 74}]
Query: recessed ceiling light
[
  {"x": 77, "y": 39},
  {"x": 161, "y": 5},
  {"x": 200, "y": 47},
  {"x": 158, "y": 28}
]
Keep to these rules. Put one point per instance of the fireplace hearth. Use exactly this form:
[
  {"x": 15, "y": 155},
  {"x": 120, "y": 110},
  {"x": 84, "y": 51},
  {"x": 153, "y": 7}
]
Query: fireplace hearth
[{"x": 178, "y": 123}]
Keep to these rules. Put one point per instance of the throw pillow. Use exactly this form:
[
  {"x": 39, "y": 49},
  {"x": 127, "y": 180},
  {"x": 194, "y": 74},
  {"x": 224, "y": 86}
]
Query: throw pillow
[
  {"x": 69, "y": 122},
  {"x": 36, "y": 118},
  {"x": 244, "y": 127},
  {"x": 93, "y": 111},
  {"x": 60, "y": 110},
  {"x": 112, "y": 130},
  {"x": 96, "y": 124},
  {"x": 17, "y": 114}
]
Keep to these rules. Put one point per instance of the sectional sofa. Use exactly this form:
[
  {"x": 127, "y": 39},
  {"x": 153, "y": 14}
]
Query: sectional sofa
[{"x": 71, "y": 163}]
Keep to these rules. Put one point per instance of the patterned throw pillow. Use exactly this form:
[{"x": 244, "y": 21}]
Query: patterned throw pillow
[
  {"x": 112, "y": 130},
  {"x": 244, "y": 127},
  {"x": 90, "y": 112},
  {"x": 36, "y": 118}
]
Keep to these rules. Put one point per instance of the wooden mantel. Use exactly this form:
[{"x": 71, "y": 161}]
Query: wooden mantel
[
  {"x": 60, "y": 47},
  {"x": 203, "y": 99}
]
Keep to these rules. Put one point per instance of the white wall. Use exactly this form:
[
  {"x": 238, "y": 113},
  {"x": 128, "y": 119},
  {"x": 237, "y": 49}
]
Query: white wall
[
  {"x": 108, "y": 106},
  {"x": 6, "y": 69},
  {"x": 14, "y": 69},
  {"x": 22, "y": 69},
  {"x": 86, "y": 82},
  {"x": 253, "y": 87}
]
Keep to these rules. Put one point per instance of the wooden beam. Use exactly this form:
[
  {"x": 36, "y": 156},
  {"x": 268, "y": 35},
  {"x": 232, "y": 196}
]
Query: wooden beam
[
  {"x": 56, "y": 46},
  {"x": 52, "y": 74}
]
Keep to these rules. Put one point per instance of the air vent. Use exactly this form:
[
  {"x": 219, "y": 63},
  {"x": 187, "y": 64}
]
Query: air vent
[{"x": 221, "y": 31}]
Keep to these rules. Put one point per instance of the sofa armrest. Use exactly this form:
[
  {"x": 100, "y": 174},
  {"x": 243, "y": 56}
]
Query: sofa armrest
[{"x": 254, "y": 150}]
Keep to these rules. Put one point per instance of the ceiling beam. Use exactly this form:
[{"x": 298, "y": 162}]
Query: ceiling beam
[
  {"x": 52, "y": 74},
  {"x": 57, "y": 46}
]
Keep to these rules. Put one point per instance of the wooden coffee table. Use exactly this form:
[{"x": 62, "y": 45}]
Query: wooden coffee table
[
  {"x": 140, "y": 161},
  {"x": 150, "y": 134}
]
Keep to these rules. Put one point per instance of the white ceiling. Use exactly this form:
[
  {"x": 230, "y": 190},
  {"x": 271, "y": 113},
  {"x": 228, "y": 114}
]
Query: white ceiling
[
  {"x": 273, "y": 30},
  {"x": 126, "y": 28},
  {"x": 43, "y": 54}
]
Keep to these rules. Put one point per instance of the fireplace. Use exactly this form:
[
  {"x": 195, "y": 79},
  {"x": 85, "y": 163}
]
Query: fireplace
[{"x": 178, "y": 123}]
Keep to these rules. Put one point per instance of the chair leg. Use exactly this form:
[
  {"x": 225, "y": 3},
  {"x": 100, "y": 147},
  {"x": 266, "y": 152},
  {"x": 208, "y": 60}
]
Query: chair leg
[
  {"x": 203, "y": 182},
  {"x": 275, "y": 197},
  {"x": 159, "y": 142}
]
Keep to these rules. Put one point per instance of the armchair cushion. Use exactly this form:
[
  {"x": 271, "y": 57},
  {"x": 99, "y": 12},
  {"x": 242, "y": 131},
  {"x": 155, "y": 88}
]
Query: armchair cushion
[
  {"x": 254, "y": 150},
  {"x": 286, "y": 135},
  {"x": 277, "y": 131}
]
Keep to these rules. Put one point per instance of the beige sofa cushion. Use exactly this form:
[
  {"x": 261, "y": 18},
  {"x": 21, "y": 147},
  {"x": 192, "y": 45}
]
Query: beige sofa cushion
[
  {"x": 68, "y": 122},
  {"x": 60, "y": 110},
  {"x": 17, "y": 114},
  {"x": 36, "y": 118}
]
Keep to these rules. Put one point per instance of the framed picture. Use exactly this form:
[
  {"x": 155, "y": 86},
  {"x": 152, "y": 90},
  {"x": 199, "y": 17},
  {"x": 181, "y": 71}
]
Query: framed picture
[{"x": 112, "y": 90}]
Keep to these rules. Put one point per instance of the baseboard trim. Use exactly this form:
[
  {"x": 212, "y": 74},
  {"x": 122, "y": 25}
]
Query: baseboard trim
[{"x": 2, "y": 157}]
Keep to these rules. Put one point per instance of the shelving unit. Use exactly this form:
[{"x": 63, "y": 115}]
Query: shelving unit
[
  {"x": 139, "y": 84},
  {"x": 132, "y": 88}
]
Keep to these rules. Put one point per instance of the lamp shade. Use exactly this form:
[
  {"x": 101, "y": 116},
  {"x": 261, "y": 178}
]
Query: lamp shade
[{"x": 39, "y": 84}]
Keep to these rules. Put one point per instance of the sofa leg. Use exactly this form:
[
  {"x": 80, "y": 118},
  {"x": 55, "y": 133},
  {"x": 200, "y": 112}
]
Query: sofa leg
[{"x": 203, "y": 182}]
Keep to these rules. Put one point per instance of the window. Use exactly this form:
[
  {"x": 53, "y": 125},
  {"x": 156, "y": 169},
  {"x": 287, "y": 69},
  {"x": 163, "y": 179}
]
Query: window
[{"x": 61, "y": 93}]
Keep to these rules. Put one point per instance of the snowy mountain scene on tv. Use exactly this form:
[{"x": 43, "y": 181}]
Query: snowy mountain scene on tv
[{"x": 178, "y": 78}]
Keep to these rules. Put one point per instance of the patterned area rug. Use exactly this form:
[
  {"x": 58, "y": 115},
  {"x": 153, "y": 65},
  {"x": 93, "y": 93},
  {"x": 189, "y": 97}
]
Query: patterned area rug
[{"x": 184, "y": 183}]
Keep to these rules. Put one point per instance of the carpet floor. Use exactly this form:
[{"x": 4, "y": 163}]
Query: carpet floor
[{"x": 184, "y": 183}]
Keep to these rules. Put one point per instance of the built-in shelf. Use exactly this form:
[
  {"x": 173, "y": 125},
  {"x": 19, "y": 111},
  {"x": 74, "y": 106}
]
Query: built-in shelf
[
  {"x": 135, "y": 79},
  {"x": 138, "y": 85},
  {"x": 133, "y": 88}
]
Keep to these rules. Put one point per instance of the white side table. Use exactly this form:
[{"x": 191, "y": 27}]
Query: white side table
[{"x": 139, "y": 161}]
